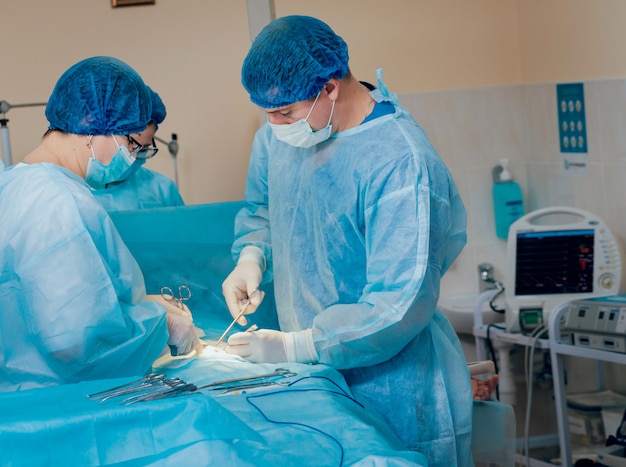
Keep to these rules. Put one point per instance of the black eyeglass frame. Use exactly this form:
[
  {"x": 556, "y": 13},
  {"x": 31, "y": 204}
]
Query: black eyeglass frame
[{"x": 142, "y": 152}]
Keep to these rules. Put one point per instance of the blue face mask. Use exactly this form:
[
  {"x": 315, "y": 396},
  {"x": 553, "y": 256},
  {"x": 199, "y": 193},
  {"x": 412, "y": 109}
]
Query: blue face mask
[
  {"x": 131, "y": 170},
  {"x": 99, "y": 175},
  {"x": 300, "y": 134}
]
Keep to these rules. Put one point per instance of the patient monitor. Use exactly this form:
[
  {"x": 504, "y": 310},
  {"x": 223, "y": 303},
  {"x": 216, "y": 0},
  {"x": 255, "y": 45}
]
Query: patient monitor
[{"x": 555, "y": 255}]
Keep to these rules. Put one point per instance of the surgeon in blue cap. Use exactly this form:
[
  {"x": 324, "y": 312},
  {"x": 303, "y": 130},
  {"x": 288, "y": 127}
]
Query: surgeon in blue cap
[
  {"x": 355, "y": 218},
  {"x": 73, "y": 299},
  {"x": 140, "y": 187}
]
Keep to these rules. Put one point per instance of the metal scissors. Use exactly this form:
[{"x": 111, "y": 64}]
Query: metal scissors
[{"x": 184, "y": 294}]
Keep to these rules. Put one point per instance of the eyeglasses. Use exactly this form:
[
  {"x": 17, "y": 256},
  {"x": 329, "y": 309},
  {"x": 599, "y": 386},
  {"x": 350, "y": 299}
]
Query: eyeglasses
[{"x": 140, "y": 151}]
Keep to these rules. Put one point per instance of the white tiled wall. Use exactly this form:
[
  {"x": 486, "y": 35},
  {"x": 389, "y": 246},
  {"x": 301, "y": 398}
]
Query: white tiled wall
[{"x": 473, "y": 129}]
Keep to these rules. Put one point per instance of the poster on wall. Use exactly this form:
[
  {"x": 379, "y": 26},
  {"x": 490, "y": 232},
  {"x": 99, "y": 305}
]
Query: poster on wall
[{"x": 572, "y": 128}]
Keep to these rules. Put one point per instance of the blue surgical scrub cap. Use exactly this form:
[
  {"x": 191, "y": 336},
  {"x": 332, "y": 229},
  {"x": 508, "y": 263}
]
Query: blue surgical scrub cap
[
  {"x": 291, "y": 60},
  {"x": 158, "y": 108},
  {"x": 99, "y": 96}
]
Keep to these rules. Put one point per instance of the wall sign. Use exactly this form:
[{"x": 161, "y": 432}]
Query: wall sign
[
  {"x": 570, "y": 99},
  {"x": 572, "y": 126}
]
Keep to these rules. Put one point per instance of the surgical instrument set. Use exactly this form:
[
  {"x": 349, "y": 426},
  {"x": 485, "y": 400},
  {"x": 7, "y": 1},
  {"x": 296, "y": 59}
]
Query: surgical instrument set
[
  {"x": 151, "y": 387},
  {"x": 158, "y": 386},
  {"x": 249, "y": 382}
]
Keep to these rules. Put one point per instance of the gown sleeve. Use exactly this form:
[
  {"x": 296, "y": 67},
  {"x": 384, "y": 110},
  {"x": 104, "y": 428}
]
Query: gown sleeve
[{"x": 72, "y": 295}]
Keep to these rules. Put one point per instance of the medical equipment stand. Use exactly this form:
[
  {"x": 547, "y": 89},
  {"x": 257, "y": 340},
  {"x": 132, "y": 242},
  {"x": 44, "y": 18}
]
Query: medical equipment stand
[
  {"x": 558, "y": 350},
  {"x": 503, "y": 342},
  {"x": 172, "y": 147},
  {"x": 7, "y": 157},
  {"x": 6, "y": 142}
]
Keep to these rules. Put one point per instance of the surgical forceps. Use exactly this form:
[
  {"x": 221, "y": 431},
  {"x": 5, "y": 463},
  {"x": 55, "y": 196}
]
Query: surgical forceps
[
  {"x": 184, "y": 294},
  {"x": 150, "y": 387},
  {"x": 248, "y": 382},
  {"x": 241, "y": 313},
  {"x": 158, "y": 386},
  {"x": 171, "y": 388},
  {"x": 149, "y": 381}
]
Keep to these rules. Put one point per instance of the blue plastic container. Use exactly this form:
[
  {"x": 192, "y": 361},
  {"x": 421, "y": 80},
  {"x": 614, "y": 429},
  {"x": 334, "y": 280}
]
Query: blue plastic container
[{"x": 508, "y": 202}]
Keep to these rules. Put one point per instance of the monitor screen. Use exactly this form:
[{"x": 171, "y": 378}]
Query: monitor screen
[{"x": 554, "y": 262}]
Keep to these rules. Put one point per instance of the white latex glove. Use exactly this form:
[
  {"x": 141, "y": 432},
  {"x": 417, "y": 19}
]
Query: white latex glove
[
  {"x": 241, "y": 287},
  {"x": 183, "y": 335},
  {"x": 269, "y": 346}
]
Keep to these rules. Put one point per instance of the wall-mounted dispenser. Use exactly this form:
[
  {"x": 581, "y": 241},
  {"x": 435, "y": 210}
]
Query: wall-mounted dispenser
[{"x": 508, "y": 201}]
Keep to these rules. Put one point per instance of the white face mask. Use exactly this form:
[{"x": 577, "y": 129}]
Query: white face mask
[{"x": 300, "y": 134}]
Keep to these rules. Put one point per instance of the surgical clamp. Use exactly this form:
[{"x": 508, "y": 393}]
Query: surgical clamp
[
  {"x": 148, "y": 382},
  {"x": 151, "y": 387},
  {"x": 171, "y": 388},
  {"x": 249, "y": 381},
  {"x": 184, "y": 294}
]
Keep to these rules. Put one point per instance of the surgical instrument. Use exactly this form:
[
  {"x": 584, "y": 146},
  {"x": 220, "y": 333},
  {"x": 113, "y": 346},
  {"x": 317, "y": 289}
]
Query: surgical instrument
[
  {"x": 241, "y": 313},
  {"x": 151, "y": 387},
  {"x": 250, "y": 381},
  {"x": 171, "y": 388},
  {"x": 184, "y": 294},
  {"x": 147, "y": 382}
]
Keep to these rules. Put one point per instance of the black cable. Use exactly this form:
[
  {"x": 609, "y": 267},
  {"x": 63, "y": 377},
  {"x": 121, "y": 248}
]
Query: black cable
[
  {"x": 342, "y": 393},
  {"x": 493, "y": 299},
  {"x": 492, "y": 353}
]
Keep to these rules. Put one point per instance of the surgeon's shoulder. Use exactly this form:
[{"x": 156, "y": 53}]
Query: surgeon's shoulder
[
  {"x": 145, "y": 175},
  {"x": 49, "y": 183}
]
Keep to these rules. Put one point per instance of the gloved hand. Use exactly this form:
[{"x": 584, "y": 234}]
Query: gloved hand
[
  {"x": 269, "y": 346},
  {"x": 241, "y": 287},
  {"x": 183, "y": 334}
]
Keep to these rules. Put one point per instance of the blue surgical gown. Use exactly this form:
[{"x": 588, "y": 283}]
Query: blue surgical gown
[
  {"x": 71, "y": 295},
  {"x": 357, "y": 232},
  {"x": 144, "y": 189}
]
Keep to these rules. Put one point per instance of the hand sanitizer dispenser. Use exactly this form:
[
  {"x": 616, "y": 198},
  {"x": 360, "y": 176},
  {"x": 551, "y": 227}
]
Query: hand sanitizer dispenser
[{"x": 508, "y": 202}]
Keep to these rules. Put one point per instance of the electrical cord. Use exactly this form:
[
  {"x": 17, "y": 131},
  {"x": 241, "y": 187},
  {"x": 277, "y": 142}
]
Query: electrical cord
[
  {"x": 341, "y": 393},
  {"x": 492, "y": 353},
  {"x": 529, "y": 355},
  {"x": 501, "y": 289}
]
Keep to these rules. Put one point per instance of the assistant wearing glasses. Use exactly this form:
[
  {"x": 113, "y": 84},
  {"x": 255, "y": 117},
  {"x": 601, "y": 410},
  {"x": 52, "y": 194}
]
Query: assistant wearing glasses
[
  {"x": 141, "y": 151},
  {"x": 139, "y": 187}
]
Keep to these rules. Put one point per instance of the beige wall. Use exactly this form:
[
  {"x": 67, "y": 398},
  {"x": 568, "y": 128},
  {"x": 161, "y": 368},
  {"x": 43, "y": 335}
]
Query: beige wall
[
  {"x": 190, "y": 51},
  {"x": 424, "y": 45},
  {"x": 572, "y": 40}
]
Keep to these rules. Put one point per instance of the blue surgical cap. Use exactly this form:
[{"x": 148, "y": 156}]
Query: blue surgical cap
[
  {"x": 99, "y": 96},
  {"x": 291, "y": 60},
  {"x": 158, "y": 108}
]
